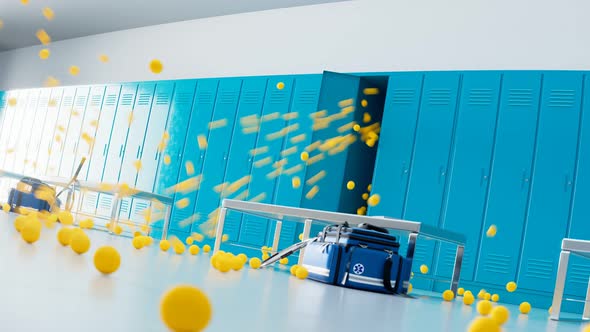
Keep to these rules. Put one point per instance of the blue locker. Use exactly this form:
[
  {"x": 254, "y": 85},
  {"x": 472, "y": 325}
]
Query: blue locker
[
  {"x": 510, "y": 177},
  {"x": 48, "y": 130},
  {"x": 228, "y": 95},
  {"x": 240, "y": 160},
  {"x": 579, "y": 268},
  {"x": 96, "y": 162},
  {"x": 305, "y": 102},
  {"x": 430, "y": 159},
  {"x": 89, "y": 127},
  {"x": 118, "y": 136},
  {"x": 61, "y": 126},
  {"x": 254, "y": 231},
  {"x": 552, "y": 181},
  {"x": 8, "y": 114},
  {"x": 150, "y": 155},
  {"x": 74, "y": 131},
  {"x": 470, "y": 168},
  {"x": 200, "y": 117},
  {"x": 24, "y": 125},
  {"x": 36, "y": 134},
  {"x": 138, "y": 123},
  {"x": 176, "y": 126},
  {"x": 398, "y": 129}
]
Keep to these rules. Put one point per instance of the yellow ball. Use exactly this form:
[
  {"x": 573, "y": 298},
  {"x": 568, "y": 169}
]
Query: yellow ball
[
  {"x": 224, "y": 238},
  {"x": 136, "y": 234},
  {"x": 164, "y": 245},
  {"x": 65, "y": 217},
  {"x": 481, "y": 294},
  {"x": 492, "y": 230},
  {"x": 410, "y": 288},
  {"x": 364, "y": 103},
  {"x": 296, "y": 182},
  {"x": 103, "y": 58},
  {"x": 31, "y": 231},
  {"x": 87, "y": 223},
  {"x": 118, "y": 230},
  {"x": 448, "y": 295},
  {"x": 156, "y": 66},
  {"x": 64, "y": 236},
  {"x": 374, "y": 200},
  {"x": 107, "y": 259},
  {"x": 483, "y": 324},
  {"x": 467, "y": 292},
  {"x": 468, "y": 298},
  {"x": 44, "y": 54},
  {"x": 423, "y": 269},
  {"x": 80, "y": 242},
  {"x": 524, "y": 308},
  {"x": 460, "y": 291},
  {"x": 365, "y": 196},
  {"x": 356, "y": 127},
  {"x": 19, "y": 222},
  {"x": 145, "y": 240},
  {"x": 194, "y": 249},
  {"x": 300, "y": 237},
  {"x": 185, "y": 308},
  {"x": 511, "y": 286},
  {"x": 284, "y": 261},
  {"x": 206, "y": 248},
  {"x": 179, "y": 248},
  {"x": 280, "y": 85},
  {"x": 484, "y": 307},
  {"x": 495, "y": 298},
  {"x": 350, "y": 185},
  {"x": 301, "y": 273},
  {"x": 74, "y": 70},
  {"x": 369, "y": 187},
  {"x": 6, "y": 207},
  {"x": 265, "y": 256},
  {"x": 189, "y": 240},
  {"x": 255, "y": 262},
  {"x": 586, "y": 328},
  {"x": 500, "y": 314},
  {"x": 137, "y": 242},
  {"x": 224, "y": 264},
  {"x": 243, "y": 258},
  {"x": 236, "y": 263},
  {"x": 487, "y": 296},
  {"x": 304, "y": 155},
  {"x": 293, "y": 269}
]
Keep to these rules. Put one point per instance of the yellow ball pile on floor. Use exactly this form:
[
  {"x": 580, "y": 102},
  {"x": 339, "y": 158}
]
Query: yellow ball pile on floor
[
  {"x": 194, "y": 249},
  {"x": 524, "y": 308},
  {"x": 107, "y": 259},
  {"x": 468, "y": 298},
  {"x": 484, "y": 307},
  {"x": 255, "y": 262},
  {"x": 206, "y": 248},
  {"x": 284, "y": 261},
  {"x": 65, "y": 218},
  {"x": 185, "y": 308},
  {"x": 64, "y": 235},
  {"x": 487, "y": 296},
  {"x": 31, "y": 230},
  {"x": 500, "y": 314},
  {"x": 483, "y": 324},
  {"x": 301, "y": 273},
  {"x": 511, "y": 286},
  {"x": 481, "y": 294},
  {"x": 448, "y": 295},
  {"x": 495, "y": 298},
  {"x": 164, "y": 245},
  {"x": 243, "y": 257},
  {"x": 86, "y": 223},
  {"x": 460, "y": 291},
  {"x": 80, "y": 242}
]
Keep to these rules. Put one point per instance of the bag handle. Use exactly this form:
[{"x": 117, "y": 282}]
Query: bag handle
[{"x": 387, "y": 274}]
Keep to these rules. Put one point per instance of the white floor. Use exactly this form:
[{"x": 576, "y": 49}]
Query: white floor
[{"x": 47, "y": 287}]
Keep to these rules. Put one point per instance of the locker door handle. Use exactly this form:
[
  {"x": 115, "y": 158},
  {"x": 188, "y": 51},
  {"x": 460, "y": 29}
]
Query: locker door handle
[
  {"x": 138, "y": 151},
  {"x": 442, "y": 173},
  {"x": 121, "y": 151},
  {"x": 224, "y": 156},
  {"x": 525, "y": 179},
  {"x": 404, "y": 170},
  {"x": 568, "y": 183},
  {"x": 484, "y": 177}
]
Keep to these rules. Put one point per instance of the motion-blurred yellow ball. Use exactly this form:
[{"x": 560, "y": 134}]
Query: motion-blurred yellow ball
[
  {"x": 185, "y": 308},
  {"x": 6, "y": 207},
  {"x": 468, "y": 298},
  {"x": 243, "y": 258},
  {"x": 107, "y": 259},
  {"x": 64, "y": 235},
  {"x": 369, "y": 187},
  {"x": 255, "y": 262},
  {"x": 293, "y": 269},
  {"x": 280, "y": 85},
  {"x": 284, "y": 261},
  {"x": 460, "y": 291},
  {"x": 86, "y": 223},
  {"x": 364, "y": 103},
  {"x": 304, "y": 155},
  {"x": 118, "y": 230},
  {"x": 206, "y": 248},
  {"x": 44, "y": 54},
  {"x": 495, "y": 297},
  {"x": 80, "y": 242},
  {"x": 103, "y": 58},
  {"x": 179, "y": 248},
  {"x": 483, "y": 324},
  {"x": 487, "y": 296},
  {"x": 31, "y": 230},
  {"x": 137, "y": 242},
  {"x": 365, "y": 196},
  {"x": 265, "y": 256},
  {"x": 586, "y": 328},
  {"x": 194, "y": 249},
  {"x": 350, "y": 185},
  {"x": 410, "y": 288},
  {"x": 19, "y": 222},
  {"x": 301, "y": 273},
  {"x": 189, "y": 240},
  {"x": 65, "y": 217},
  {"x": 448, "y": 295},
  {"x": 300, "y": 237},
  {"x": 164, "y": 245},
  {"x": 374, "y": 200},
  {"x": 296, "y": 182},
  {"x": 500, "y": 314},
  {"x": 156, "y": 66},
  {"x": 236, "y": 263},
  {"x": 224, "y": 238},
  {"x": 356, "y": 127},
  {"x": 423, "y": 269},
  {"x": 492, "y": 230},
  {"x": 484, "y": 307},
  {"x": 74, "y": 70},
  {"x": 481, "y": 294},
  {"x": 524, "y": 308},
  {"x": 511, "y": 286}
]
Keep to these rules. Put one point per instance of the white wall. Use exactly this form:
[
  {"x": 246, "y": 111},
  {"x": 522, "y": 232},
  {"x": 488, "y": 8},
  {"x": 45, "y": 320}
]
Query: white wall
[{"x": 356, "y": 36}]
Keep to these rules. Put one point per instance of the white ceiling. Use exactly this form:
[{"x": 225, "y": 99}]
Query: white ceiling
[{"x": 78, "y": 18}]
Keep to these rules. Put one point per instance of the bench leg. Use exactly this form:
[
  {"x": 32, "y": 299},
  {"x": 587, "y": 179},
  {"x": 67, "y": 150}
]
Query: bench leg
[
  {"x": 586, "y": 314},
  {"x": 457, "y": 269},
  {"x": 219, "y": 234},
  {"x": 559, "y": 284},
  {"x": 166, "y": 222},
  {"x": 306, "y": 231},
  {"x": 277, "y": 236},
  {"x": 411, "y": 245}
]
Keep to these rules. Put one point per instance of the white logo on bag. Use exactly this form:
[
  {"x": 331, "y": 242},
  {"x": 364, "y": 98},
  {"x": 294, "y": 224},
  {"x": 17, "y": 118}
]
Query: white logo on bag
[{"x": 358, "y": 268}]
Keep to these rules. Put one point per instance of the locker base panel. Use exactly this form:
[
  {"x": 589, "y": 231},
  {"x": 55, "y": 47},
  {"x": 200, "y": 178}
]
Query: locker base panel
[{"x": 49, "y": 287}]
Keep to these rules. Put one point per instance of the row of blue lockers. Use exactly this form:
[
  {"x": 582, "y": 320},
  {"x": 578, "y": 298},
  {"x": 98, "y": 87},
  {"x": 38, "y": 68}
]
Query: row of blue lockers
[{"x": 465, "y": 151}]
